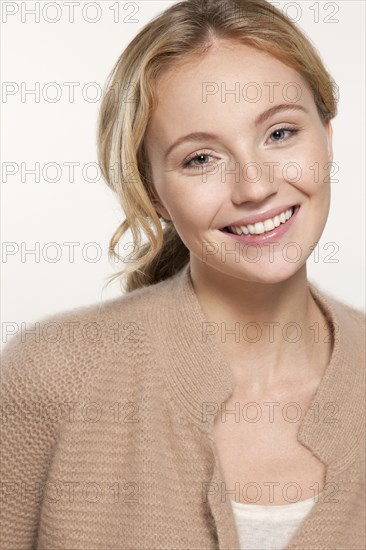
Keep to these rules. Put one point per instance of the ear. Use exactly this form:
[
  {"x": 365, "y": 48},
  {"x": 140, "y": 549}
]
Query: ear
[
  {"x": 329, "y": 132},
  {"x": 161, "y": 209}
]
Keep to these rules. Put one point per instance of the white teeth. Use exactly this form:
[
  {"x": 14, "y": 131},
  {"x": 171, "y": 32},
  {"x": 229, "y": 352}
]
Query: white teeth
[
  {"x": 259, "y": 228},
  {"x": 269, "y": 225},
  {"x": 262, "y": 227}
]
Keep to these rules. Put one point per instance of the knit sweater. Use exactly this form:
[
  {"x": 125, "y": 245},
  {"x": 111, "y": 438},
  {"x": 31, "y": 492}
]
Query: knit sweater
[{"x": 107, "y": 429}]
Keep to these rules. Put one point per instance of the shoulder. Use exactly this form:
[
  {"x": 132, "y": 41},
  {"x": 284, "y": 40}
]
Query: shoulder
[
  {"x": 350, "y": 318},
  {"x": 348, "y": 322},
  {"x": 53, "y": 365},
  {"x": 59, "y": 352}
]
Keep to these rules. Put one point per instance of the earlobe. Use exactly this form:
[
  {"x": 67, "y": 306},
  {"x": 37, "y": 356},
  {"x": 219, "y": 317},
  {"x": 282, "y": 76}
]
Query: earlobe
[
  {"x": 329, "y": 130},
  {"x": 161, "y": 209},
  {"x": 156, "y": 202}
]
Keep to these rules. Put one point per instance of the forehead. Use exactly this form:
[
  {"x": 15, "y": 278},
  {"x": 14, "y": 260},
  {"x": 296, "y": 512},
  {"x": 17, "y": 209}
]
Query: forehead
[{"x": 229, "y": 79}]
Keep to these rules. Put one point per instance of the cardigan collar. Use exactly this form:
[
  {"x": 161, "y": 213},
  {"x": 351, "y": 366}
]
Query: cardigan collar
[{"x": 200, "y": 377}]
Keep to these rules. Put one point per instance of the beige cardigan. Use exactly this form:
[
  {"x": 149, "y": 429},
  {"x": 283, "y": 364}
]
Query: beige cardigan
[{"x": 105, "y": 445}]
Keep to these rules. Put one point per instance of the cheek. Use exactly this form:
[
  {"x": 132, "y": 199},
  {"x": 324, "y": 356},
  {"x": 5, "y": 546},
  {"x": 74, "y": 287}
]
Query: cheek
[
  {"x": 193, "y": 203},
  {"x": 309, "y": 169}
]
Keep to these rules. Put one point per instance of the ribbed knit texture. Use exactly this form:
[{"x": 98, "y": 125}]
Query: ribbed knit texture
[{"x": 104, "y": 444}]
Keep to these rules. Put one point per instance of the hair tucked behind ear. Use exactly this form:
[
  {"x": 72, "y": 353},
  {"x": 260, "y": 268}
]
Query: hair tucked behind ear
[{"x": 184, "y": 30}]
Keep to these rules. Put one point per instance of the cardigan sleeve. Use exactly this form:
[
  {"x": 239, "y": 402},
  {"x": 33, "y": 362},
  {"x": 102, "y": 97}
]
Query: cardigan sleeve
[
  {"x": 41, "y": 374},
  {"x": 27, "y": 437}
]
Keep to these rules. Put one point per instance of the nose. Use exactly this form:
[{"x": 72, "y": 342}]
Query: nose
[{"x": 255, "y": 181}]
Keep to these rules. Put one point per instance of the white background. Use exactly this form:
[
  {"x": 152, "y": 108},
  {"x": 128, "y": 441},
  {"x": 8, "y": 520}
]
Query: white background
[{"x": 35, "y": 214}]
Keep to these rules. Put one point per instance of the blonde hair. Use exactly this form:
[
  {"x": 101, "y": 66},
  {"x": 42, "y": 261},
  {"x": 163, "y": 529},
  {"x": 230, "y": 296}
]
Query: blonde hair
[{"x": 184, "y": 29}]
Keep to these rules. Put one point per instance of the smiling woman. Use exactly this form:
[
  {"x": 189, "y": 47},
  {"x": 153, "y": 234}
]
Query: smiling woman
[
  {"x": 243, "y": 384},
  {"x": 248, "y": 90},
  {"x": 260, "y": 165}
]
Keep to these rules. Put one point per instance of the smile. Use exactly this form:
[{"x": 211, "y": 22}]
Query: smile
[
  {"x": 262, "y": 227},
  {"x": 265, "y": 231}
]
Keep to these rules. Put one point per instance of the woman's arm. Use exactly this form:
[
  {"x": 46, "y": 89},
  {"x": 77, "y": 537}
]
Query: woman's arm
[{"x": 42, "y": 373}]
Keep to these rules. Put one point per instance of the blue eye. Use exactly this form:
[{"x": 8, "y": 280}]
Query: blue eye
[
  {"x": 190, "y": 162},
  {"x": 197, "y": 160},
  {"x": 278, "y": 134}
]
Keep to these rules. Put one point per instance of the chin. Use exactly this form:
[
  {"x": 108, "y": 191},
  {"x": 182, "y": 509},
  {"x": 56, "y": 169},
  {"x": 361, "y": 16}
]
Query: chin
[{"x": 275, "y": 278}]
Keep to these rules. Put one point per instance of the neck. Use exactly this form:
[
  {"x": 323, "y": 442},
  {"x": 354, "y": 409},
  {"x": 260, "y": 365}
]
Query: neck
[{"x": 274, "y": 335}]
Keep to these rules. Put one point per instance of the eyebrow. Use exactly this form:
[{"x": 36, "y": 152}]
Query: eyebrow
[
  {"x": 276, "y": 109},
  {"x": 202, "y": 136}
]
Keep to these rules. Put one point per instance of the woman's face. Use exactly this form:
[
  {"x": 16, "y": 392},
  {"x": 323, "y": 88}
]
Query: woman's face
[{"x": 246, "y": 162}]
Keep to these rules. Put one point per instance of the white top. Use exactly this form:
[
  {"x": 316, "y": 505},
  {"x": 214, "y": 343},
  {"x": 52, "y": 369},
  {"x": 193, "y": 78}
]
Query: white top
[{"x": 262, "y": 527}]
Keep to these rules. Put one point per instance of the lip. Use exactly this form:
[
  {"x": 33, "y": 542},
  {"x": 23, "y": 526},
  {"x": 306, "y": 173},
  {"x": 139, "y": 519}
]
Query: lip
[
  {"x": 261, "y": 217},
  {"x": 269, "y": 236}
]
